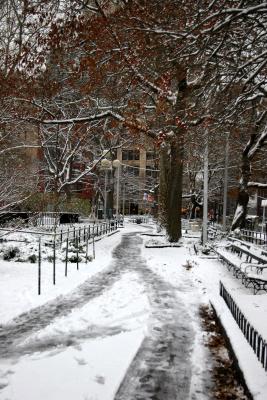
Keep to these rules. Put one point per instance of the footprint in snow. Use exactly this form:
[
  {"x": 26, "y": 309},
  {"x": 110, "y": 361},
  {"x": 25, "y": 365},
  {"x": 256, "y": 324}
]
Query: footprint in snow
[
  {"x": 80, "y": 361},
  {"x": 3, "y": 385},
  {"x": 8, "y": 372},
  {"x": 100, "y": 379}
]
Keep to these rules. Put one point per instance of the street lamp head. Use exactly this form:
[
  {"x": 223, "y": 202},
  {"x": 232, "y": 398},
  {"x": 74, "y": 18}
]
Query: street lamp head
[
  {"x": 105, "y": 163},
  {"x": 116, "y": 163}
]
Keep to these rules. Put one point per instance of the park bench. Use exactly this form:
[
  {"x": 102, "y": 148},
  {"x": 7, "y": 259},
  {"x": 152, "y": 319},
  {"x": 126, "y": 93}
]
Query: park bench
[
  {"x": 255, "y": 276},
  {"x": 241, "y": 242},
  {"x": 252, "y": 274},
  {"x": 248, "y": 253},
  {"x": 231, "y": 261},
  {"x": 246, "y": 244}
]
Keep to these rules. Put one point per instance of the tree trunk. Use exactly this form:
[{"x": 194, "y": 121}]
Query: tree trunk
[
  {"x": 171, "y": 189},
  {"x": 241, "y": 210},
  {"x": 255, "y": 144},
  {"x": 110, "y": 194},
  {"x": 243, "y": 196}
]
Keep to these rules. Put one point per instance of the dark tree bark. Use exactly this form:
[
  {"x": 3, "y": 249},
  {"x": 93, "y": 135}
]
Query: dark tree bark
[
  {"x": 171, "y": 171},
  {"x": 243, "y": 196},
  {"x": 241, "y": 210}
]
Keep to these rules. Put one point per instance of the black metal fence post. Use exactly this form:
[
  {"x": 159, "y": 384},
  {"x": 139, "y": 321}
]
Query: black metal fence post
[
  {"x": 93, "y": 246},
  {"x": 86, "y": 253},
  {"x": 255, "y": 340},
  {"x": 54, "y": 260},
  {"x": 77, "y": 253},
  {"x": 66, "y": 259},
  {"x": 39, "y": 267},
  {"x": 265, "y": 360}
]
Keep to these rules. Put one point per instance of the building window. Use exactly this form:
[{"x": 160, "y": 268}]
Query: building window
[
  {"x": 150, "y": 155},
  {"x": 129, "y": 155},
  {"x": 151, "y": 174}
]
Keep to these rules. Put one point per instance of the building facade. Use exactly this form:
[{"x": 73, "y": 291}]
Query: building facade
[{"x": 138, "y": 176}]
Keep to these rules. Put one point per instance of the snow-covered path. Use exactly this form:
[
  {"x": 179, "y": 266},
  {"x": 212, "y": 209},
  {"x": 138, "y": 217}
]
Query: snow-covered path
[
  {"x": 131, "y": 313},
  {"x": 161, "y": 368}
]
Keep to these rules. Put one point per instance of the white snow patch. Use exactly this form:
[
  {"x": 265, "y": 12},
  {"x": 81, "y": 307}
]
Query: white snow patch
[
  {"x": 19, "y": 281},
  {"x": 92, "y": 371}
]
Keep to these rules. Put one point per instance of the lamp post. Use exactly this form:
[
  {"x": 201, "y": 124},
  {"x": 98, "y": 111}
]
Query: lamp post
[
  {"x": 205, "y": 190},
  {"x": 225, "y": 187},
  {"x": 105, "y": 166},
  {"x": 264, "y": 205},
  {"x": 123, "y": 200},
  {"x": 116, "y": 164}
]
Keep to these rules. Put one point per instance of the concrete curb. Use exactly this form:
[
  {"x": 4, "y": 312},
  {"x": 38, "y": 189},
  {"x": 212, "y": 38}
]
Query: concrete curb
[{"x": 232, "y": 353}]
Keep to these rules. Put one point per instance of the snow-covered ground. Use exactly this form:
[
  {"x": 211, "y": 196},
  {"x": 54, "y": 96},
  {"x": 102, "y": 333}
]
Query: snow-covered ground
[
  {"x": 206, "y": 273},
  {"x": 19, "y": 280},
  {"x": 85, "y": 351}
]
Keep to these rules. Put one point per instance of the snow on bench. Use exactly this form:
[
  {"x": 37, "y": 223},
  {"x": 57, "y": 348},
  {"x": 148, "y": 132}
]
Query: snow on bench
[
  {"x": 241, "y": 242},
  {"x": 253, "y": 275},
  {"x": 249, "y": 253}
]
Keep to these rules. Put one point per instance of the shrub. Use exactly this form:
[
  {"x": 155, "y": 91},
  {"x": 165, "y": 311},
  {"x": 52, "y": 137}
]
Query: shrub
[
  {"x": 76, "y": 246},
  {"x": 43, "y": 201},
  {"x": 77, "y": 205},
  {"x": 32, "y": 258},
  {"x": 10, "y": 253},
  {"x": 74, "y": 259},
  {"x": 14, "y": 223},
  {"x": 50, "y": 258}
]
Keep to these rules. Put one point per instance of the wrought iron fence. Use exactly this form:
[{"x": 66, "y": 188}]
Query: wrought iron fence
[
  {"x": 76, "y": 236},
  {"x": 254, "y": 236},
  {"x": 255, "y": 340},
  {"x": 39, "y": 218}
]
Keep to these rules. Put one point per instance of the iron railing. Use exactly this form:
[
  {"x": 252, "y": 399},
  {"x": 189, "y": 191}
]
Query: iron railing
[
  {"x": 75, "y": 236},
  {"x": 255, "y": 340},
  {"x": 39, "y": 218},
  {"x": 254, "y": 236}
]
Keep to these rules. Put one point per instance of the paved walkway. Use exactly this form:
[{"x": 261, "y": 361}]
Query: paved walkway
[{"x": 161, "y": 369}]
